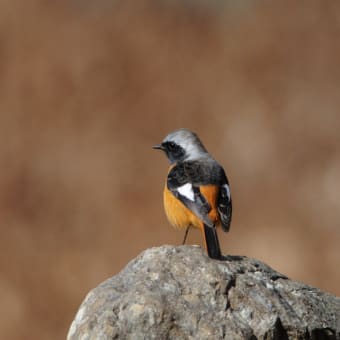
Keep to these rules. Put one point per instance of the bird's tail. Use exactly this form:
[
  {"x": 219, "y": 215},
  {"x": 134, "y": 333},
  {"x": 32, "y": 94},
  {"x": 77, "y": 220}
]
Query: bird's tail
[{"x": 211, "y": 242}]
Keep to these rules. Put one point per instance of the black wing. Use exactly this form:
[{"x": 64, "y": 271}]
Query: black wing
[
  {"x": 181, "y": 182},
  {"x": 224, "y": 203},
  {"x": 185, "y": 179}
]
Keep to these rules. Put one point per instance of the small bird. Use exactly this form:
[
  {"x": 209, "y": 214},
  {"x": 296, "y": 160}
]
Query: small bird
[{"x": 197, "y": 192}]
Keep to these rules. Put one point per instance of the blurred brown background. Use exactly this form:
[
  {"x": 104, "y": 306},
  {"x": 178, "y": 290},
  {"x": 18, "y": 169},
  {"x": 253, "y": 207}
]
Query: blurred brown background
[{"x": 87, "y": 88}]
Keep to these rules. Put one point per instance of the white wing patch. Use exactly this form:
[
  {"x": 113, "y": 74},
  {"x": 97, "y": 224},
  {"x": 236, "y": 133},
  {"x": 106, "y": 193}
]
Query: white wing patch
[
  {"x": 226, "y": 187},
  {"x": 186, "y": 191}
]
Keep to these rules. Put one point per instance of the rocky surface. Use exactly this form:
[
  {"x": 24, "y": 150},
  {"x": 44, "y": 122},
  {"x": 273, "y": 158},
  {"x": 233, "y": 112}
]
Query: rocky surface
[{"x": 179, "y": 293}]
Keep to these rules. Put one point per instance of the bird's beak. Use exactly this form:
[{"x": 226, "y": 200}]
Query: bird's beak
[{"x": 158, "y": 147}]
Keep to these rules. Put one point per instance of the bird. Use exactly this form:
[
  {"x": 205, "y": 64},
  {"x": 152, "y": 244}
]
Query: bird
[{"x": 197, "y": 191}]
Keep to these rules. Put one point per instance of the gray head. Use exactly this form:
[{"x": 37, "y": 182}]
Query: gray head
[{"x": 182, "y": 145}]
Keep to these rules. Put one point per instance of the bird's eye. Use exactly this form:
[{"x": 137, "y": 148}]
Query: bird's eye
[
  {"x": 171, "y": 145},
  {"x": 174, "y": 151}
]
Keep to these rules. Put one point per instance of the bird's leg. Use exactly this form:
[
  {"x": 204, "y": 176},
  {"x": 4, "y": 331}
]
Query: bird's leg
[{"x": 186, "y": 234}]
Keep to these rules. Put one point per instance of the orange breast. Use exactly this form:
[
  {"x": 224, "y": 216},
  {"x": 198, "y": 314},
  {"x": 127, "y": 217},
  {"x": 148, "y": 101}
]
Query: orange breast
[
  {"x": 210, "y": 192},
  {"x": 181, "y": 217}
]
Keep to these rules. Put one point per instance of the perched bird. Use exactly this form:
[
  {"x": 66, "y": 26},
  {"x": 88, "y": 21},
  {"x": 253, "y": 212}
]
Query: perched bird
[{"x": 196, "y": 192}]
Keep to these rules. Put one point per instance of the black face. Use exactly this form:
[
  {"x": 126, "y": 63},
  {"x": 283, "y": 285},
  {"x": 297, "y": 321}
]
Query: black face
[{"x": 174, "y": 151}]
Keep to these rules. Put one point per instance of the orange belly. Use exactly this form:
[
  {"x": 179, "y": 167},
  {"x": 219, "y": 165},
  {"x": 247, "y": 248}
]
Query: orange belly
[{"x": 180, "y": 217}]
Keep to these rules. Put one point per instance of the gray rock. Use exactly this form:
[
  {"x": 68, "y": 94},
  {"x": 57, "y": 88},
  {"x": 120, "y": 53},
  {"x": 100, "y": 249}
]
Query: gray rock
[{"x": 180, "y": 293}]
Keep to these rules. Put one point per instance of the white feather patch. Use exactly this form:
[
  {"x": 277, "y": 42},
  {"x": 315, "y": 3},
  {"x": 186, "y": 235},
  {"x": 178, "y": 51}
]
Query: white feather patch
[
  {"x": 226, "y": 187},
  {"x": 186, "y": 191}
]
